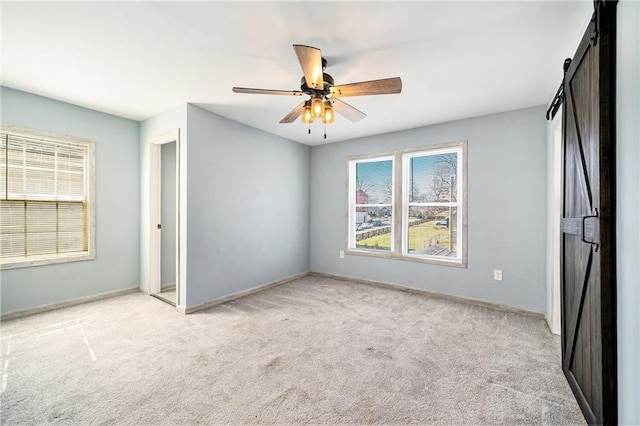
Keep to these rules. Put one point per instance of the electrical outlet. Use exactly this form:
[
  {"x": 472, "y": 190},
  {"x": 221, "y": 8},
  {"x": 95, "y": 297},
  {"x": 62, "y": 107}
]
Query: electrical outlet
[
  {"x": 341, "y": 254},
  {"x": 497, "y": 274}
]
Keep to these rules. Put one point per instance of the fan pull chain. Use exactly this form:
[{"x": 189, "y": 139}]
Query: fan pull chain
[
  {"x": 325, "y": 130},
  {"x": 309, "y": 127}
]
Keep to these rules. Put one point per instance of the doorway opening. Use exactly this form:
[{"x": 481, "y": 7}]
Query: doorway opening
[
  {"x": 168, "y": 228},
  {"x": 164, "y": 218}
]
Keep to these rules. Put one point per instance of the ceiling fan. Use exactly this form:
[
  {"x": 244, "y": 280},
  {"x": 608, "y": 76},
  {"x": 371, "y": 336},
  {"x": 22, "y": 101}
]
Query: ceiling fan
[{"x": 323, "y": 95}]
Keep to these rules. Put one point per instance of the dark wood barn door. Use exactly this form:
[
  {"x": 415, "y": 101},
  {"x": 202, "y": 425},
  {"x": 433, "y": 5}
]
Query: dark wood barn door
[{"x": 588, "y": 240}]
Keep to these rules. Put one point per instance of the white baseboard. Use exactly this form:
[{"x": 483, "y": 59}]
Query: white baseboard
[
  {"x": 550, "y": 325},
  {"x": 220, "y": 300},
  {"x": 78, "y": 301},
  {"x": 469, "y": 300},
  {"x": 547, "y": 320},
  {"x": 191, "y": 309}
]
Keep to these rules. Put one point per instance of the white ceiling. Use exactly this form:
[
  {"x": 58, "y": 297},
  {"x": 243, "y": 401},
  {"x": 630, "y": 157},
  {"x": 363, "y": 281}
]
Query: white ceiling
[{"x": 135, "y": 60}]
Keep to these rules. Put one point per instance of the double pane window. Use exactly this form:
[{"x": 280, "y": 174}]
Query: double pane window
[{"x": 409, "y": 204}]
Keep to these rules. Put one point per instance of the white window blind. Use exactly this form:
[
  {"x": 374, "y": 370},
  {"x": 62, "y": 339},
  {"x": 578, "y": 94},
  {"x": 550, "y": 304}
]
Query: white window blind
[{"x": 43, "y": 197}]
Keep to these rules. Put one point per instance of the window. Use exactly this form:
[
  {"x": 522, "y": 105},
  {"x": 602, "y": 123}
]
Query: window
[
  {"x": 371, "y": 206},
  {"x": 46, "y": 197},
  {"x": 409, "y": 204}
]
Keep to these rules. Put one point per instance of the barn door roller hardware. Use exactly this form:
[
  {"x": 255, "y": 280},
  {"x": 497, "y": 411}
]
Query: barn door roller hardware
[{"x": 558, "y": 99}]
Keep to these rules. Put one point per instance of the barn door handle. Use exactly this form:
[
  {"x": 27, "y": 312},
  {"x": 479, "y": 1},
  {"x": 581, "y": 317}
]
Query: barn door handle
[{"x": 584, "y": 220}]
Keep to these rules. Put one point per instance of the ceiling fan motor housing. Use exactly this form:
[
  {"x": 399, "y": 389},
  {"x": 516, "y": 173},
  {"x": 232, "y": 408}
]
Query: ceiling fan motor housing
[{"x": 328, "y": 84}]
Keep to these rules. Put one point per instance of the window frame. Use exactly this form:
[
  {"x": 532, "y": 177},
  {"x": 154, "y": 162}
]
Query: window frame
[
  {"x": 400, "y": 204},
  {"x": 89, "y": 200}
]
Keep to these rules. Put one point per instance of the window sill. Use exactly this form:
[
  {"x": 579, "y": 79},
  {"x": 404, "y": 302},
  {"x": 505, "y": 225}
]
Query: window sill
[
  {"x": 22, "y": 262},
  {"x": 453, "y": 262}
]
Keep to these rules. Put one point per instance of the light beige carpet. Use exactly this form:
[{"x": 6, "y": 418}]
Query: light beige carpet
[{"x": 314, "y": 350}]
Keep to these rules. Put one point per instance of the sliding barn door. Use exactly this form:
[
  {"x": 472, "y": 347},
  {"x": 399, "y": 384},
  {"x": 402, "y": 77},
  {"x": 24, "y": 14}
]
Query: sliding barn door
[{"x": 588, "y": 257}]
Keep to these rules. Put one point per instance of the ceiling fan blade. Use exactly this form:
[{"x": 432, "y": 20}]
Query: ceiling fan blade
[
  {"x": 347, "y": 110},
  {"x": 311, "y": 62},
  {"x": 374, "y": 87},
  {"x": 293, "y": 115},
  {"x": 267, "y": 91}
]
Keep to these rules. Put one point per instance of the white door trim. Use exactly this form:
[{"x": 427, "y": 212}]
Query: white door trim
[
  {"x": 154, "y": 262},
  {"x": 554, "y": 213}
]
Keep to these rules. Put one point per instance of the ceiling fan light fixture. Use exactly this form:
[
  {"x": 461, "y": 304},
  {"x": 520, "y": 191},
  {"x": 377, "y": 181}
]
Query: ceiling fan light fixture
[
  {"x": 328, "y": 115},
  {"x": 307, "y": 115},
  {"x": 317, "y": 107}
]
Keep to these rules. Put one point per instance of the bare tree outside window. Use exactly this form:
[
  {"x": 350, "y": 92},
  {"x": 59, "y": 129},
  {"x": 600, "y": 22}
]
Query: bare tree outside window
[{"x": 432, "y": 211}]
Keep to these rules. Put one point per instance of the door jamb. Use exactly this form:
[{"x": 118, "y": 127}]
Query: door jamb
[{"x": 554, "y": 223}]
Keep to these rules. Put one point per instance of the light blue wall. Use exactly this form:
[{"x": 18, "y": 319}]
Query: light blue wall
[
  {"x": 117, "y": 262},
  {"x": 248, "y": 216},
  {"x": 506, "y": 210},
  {"x": 628, "y": 208}
]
